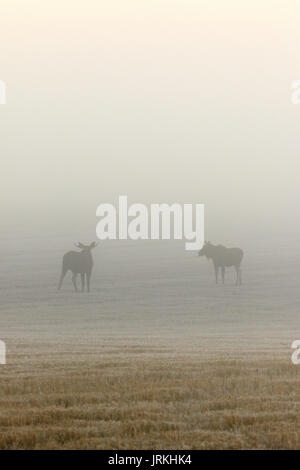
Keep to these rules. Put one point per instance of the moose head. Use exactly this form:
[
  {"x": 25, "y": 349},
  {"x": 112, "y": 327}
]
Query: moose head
[{"x": 206, "y": 250}]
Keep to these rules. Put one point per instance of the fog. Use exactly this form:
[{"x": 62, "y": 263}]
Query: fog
[{"x": 161, "y": 101}]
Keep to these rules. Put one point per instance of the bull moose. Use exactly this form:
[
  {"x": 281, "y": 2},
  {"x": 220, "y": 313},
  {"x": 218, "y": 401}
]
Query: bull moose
[
  {"x": 223, "y": 257},
  {"x": 79, "y": 263}
]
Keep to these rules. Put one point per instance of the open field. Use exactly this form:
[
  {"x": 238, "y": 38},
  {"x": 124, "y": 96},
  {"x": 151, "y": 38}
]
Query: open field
[
  {"x": 156, "y": 357},
  {"x": 138, "y": 396}
]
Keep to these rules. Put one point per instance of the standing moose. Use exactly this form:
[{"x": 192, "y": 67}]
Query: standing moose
[
  {"x": 79, "y": 263},
  {"x": 223, "y": 257}
]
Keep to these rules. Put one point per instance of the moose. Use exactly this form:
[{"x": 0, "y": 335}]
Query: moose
[
  {"x": 223, "y": 257},
  {"x": 79, "y": 263}
]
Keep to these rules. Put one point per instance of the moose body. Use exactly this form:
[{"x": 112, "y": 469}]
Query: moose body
[
  {"x": 79, "y": 263},
  {"x": 223, "y": 257}
]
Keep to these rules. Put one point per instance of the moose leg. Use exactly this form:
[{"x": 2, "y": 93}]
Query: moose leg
[
  {"x": 216, "y": 273},
  {"x": 74, "y": 277},
  {"x": 82, "y": 282},
  {"x": 238, "y": 276},
  {"x": 63, "y": 273},
  {"x": 88, "y": 277},
  {"x": 223, "y": 273}
]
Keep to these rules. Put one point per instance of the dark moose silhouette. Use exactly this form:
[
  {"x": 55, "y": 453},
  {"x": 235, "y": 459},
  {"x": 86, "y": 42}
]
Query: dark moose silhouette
[
  {"x": 223, "y": 257},
  {"x": 79, "y": 263}
]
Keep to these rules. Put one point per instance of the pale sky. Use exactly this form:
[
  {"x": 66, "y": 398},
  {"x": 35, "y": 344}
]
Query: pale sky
[{"x": 161, "y": 100}]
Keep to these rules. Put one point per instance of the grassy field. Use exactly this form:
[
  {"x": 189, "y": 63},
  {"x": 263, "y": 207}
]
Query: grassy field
[
  {"x": 155, "y": 357},
  {"x": 147, "y": 397}
]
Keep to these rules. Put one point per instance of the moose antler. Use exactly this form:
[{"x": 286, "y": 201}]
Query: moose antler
[{"x": 79, "y": 245}]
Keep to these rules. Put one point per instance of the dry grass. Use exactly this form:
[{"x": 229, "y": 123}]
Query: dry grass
[
  {"x": 53, "y": 397},
  {"x": 156, "y": 356}
]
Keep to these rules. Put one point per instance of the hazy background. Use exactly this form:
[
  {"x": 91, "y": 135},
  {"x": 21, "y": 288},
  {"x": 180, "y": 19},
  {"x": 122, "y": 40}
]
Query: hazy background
[{"x": 165, "y": 101}]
